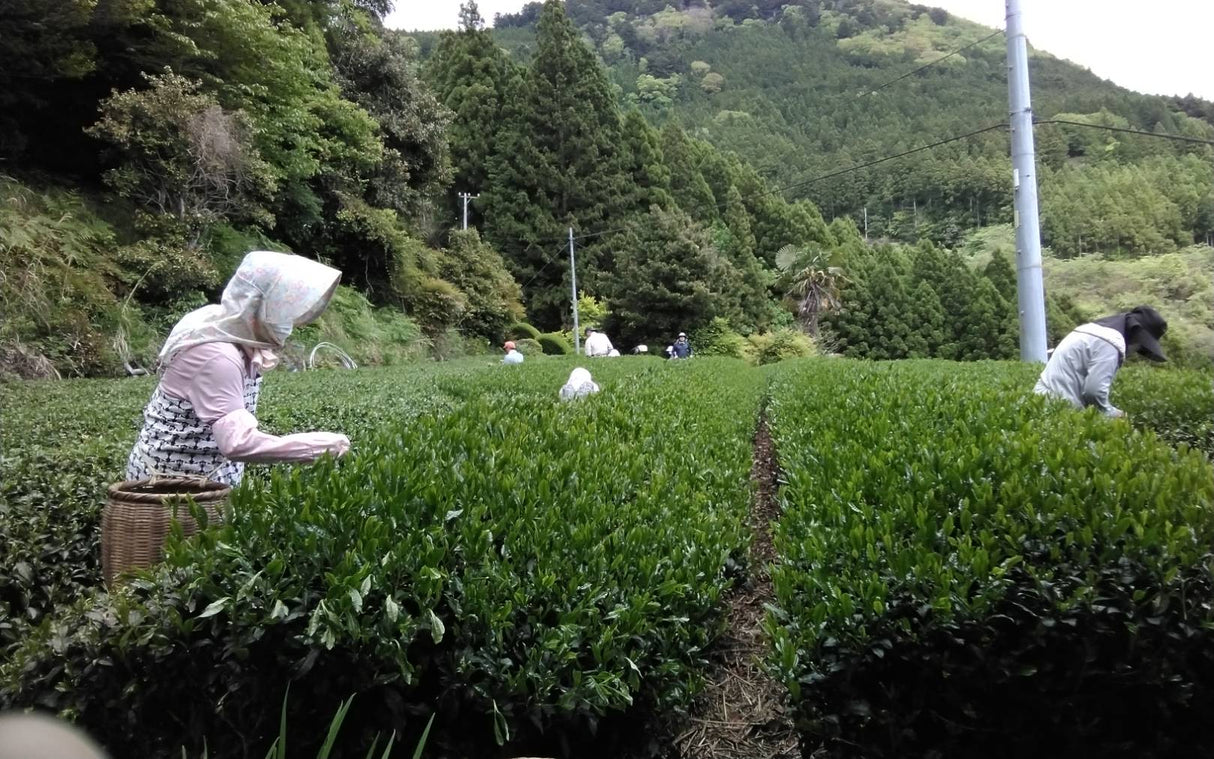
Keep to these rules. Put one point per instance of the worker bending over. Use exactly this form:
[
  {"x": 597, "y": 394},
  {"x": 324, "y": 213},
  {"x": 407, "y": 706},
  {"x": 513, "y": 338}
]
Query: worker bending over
[{"x": 1081, "y": 368}]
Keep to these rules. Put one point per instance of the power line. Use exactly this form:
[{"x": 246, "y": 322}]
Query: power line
[
  {"x": 877, "y": 161},
  {"x": 928, "y": 65},
  {"x": 1161, "y": 135},
  {"x": 903, "y": 154},
  {"x": 838, "y": 173}
]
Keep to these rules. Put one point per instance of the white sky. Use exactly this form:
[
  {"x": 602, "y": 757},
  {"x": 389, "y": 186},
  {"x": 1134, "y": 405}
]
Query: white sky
[{"x": 1160, "y": 47}]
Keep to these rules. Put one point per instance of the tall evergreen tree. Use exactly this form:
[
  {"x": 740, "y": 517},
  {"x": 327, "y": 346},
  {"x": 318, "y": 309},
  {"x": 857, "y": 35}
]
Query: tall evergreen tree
[
  {"x": 556, "y": 163},
  {"x": 749, "y": 293},
  {"x": 877, "y": 315},
  {"x": 983, "y": 336},
  {"x": 473, "y": 77},
  {"x": 927, "y": 322},
  {"x": 644, "y": 164},
  {"x": 691, "y": 190},
  {"x": 667, "y": 278},
  {"x": 954, "y": 284},
  {"x": 1000, "y": 273}
]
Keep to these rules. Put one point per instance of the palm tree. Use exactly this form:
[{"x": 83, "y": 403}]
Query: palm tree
[{"x": 812, "y": 284}]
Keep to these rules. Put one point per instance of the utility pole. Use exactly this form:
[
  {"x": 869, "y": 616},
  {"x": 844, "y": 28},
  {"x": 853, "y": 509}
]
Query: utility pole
[
  {"x": 466, "y": 197},
  {"x": 577, "y": 337},
  {"x": 1030, "y": 290},
  {"x": 865, "y": 223}
]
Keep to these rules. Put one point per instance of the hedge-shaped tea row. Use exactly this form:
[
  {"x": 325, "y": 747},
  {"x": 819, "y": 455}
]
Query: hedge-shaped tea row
[
  {"x": 970, "y": 571},
  {"x": 1177, "y": 404},
  {"x": 515, "y": 562},
  {"x": 62, "y": 443}
]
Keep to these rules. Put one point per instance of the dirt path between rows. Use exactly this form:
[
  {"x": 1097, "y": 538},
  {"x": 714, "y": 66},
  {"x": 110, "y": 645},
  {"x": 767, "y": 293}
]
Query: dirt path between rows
[{"x": 741, "y": 712}]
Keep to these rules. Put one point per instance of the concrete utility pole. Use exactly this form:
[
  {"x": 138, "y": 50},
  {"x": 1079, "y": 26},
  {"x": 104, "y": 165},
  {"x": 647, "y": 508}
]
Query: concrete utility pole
[
  {"x": 466, "y": 197},
  {"x": 1030, "y": 290},
  {"x": 577, "y": 338}
]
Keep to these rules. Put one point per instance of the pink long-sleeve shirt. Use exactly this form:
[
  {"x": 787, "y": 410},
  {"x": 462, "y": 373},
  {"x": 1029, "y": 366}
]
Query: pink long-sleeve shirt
[{"x": 211, "y": 377}]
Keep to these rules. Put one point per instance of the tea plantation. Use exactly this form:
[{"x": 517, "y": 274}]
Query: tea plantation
[{"x": 962, "y": 567}]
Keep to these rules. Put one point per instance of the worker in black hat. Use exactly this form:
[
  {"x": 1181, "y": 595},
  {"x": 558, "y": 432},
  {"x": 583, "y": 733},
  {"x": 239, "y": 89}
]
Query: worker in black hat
[{"x": 1081, "y": 368}]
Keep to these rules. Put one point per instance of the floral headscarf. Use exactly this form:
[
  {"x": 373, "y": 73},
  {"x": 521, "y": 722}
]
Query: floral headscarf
[{"x": 269, "y": 295}]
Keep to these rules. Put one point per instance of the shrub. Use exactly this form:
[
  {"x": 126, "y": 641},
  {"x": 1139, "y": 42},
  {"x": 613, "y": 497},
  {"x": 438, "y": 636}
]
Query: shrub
[
  {"x": 522, "y": 331},
  {"x": 1177, "y": 404},
  {"x": 779, "y": 345},
  {"x": 433, "y": 566},
  {"x": 718, "y": 339},
  {"x": 529, "y": 347},
  {"x": 555, "y": 344},
  {"x": 959, "y": 577},
  {"x": 479, "y": 271}
]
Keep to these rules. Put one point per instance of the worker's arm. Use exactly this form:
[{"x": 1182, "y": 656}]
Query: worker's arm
[
  {"x": 216, "y": 391},
  {"x": 238, "y": 439},
  {"x": 1103, "y": 362}
]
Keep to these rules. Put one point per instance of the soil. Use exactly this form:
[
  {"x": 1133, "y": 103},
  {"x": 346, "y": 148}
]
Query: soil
[{"x": 742, "y": 710}]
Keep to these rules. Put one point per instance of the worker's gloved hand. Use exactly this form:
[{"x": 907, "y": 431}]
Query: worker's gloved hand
[{"x": 333, "y": 443}]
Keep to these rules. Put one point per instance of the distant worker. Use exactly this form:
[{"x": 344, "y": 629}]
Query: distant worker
[
  {"x": 682, "y": 348},
  {"x": 597, "y": 343},
  {"x": 579, "y": 385},
  {"x": 512, "y": 355},
  {"x": 669, "y": 352},
  {"x": 640, "y": 350},
  {"x": 200, "y": 420},
  {"x": 1081, "y": 368}
]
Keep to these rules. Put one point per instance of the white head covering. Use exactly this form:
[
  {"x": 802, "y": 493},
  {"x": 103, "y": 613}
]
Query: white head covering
[
  {"x": 269, "y": 295},
  {"x": 580, "y": 385}
]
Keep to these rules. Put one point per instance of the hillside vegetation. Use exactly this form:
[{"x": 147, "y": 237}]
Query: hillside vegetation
[
  {"x": 797, "y": 90},
  {"x": 146, "y": 147}
]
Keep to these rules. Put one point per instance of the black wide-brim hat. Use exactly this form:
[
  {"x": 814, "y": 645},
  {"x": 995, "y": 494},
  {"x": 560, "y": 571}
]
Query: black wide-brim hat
[{"x": 1144, "y": 326}]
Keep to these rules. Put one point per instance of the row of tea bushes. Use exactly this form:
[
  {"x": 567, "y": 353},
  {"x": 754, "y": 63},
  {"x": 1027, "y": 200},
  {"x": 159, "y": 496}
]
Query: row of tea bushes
[
  {"x": 514, "y": 563},
  {"x": 63, "y": 443},
  {"x": 1177, "y": 404},
  {"x": 967, "y": 570}
]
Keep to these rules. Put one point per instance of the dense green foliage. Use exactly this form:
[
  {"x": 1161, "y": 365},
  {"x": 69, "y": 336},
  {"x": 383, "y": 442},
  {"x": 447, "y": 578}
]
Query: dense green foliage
[
  {"x": 927, "y": 302},
  {"x": 795, "y": 88},
  {"x": 561, "y": 152},
  {"x": 516, "y": 561},
  {"x": 218, "y": 126},
  {"x": 567, "y": 496},
  {"x": 956, "y": 574},
  {"x": 215, "y": 126}
]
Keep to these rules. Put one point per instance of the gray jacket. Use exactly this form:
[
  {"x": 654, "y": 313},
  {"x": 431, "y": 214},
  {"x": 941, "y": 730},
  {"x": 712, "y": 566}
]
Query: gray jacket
[{"x": 1082, "y": 367}]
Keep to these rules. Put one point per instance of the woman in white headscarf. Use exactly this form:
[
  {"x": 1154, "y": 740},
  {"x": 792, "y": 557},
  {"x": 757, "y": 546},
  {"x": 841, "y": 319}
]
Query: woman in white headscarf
[
  {"x": 200, "y": 420},
  {"x": 579, "y": 385}
]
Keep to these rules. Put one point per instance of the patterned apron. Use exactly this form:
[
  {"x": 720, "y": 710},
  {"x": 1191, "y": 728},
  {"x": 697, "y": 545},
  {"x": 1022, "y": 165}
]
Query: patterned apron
[{"x": 175, "y": 441}]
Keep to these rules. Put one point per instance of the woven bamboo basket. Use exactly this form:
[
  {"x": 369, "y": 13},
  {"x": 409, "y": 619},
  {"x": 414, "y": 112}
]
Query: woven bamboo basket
[{"x": 139, "y": 515}]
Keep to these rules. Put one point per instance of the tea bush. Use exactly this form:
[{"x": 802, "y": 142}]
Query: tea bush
[
  {"x": 522, "y": 331},
  {"x": 967, "y": 569},
  {"x": 555, "y": 344},
  {"x": 529, "y": 347},
  {"x": 516, "y": 563},
  {"x": 1177, "y": 404},
  {"x": 63, "y": 443}
]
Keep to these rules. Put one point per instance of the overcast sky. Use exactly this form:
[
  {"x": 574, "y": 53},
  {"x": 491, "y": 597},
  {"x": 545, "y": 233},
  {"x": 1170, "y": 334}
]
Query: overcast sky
[{"x": 1161, "y": 46}]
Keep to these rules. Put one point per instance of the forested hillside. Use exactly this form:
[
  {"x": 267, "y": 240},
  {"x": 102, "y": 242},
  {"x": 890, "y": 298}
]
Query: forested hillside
[
  {"x": 803, "y": 89},
  {"x": 147, "y": 145}
]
